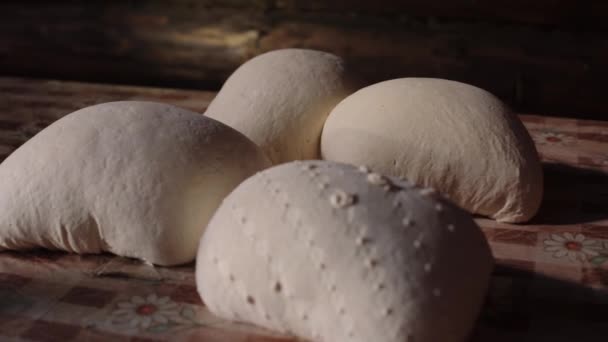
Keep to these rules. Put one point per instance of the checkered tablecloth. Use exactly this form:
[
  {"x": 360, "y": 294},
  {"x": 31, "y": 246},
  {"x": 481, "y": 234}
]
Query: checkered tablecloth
[
  {"x": 53, "y": 296},
  {"x": 549, "y": 283}
]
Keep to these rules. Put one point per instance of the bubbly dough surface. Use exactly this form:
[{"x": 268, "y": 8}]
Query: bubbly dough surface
[
  {"x": 329, "y": 252},
  {"x": 137, "y": 179}
]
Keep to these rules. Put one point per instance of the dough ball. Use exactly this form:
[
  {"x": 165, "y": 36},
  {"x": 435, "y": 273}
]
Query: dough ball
[
  {"x": 448, "y": 135},
  {"x": 328, "y": 252},
  {"x": 280, "y": 100},
  {"x": 137, "y": 179}
]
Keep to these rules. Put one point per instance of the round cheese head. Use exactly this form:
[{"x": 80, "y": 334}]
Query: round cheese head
[
  {"x": 280, "y": 100},
  {"x": 328, "y": 252},
  {"x": 137, "y": 179},
  {"x": 451, "y": 136}
]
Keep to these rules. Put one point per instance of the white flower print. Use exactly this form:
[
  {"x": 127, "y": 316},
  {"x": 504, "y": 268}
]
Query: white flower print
[
  {"x": 142, "y": 312},
  {"x": 575, "y": 247},
  {"x": 548, "y": 137}
]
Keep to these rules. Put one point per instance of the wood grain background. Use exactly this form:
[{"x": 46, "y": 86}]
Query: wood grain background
[{"x": 543, "y": 56}]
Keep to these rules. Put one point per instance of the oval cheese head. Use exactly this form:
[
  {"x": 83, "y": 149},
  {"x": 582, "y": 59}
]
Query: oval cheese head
[
  {"x": 328, "y": 252},
  {"x": 137, "y": 179},
  {"x": 451, "y": 136},
  {"x": 280, "y": 100}
]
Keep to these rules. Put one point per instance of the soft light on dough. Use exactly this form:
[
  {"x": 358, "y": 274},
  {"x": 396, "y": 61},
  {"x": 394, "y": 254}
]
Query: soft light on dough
[
  {"x": 137, "y": 179},
  {"x": 452, "y": 136},
  {"x": 280, "y": 100},
  {"x": 329, "y": 252}
]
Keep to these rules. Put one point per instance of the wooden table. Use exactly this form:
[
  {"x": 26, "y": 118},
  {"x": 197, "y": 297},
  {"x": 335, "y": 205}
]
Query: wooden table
[{"x": 538, "y": 292}]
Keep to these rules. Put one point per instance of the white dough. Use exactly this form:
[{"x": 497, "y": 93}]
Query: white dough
[
  {"x": 452, "y": 136},
  {"x": 328, "y": 252},
  {"x": 137, "y": 179},
  {"x": 280, "y": 100}
]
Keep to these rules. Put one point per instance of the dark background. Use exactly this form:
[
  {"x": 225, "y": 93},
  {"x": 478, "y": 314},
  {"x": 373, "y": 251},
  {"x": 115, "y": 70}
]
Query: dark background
[{"x": 543, "y": 57}]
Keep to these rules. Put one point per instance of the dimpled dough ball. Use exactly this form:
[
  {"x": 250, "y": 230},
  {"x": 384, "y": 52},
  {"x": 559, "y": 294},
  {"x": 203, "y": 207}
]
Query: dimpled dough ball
[
  {"x": 136, "y": 179},
  {"x": 329, "y": 252},
  {"x": 280, "y": 100},
  {"x": 452, "y": 136}
]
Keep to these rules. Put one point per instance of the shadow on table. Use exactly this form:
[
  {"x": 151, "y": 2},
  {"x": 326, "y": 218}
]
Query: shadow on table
[
  {"x": 573, "y": 195},
  {"x": 522, "y": 306}
]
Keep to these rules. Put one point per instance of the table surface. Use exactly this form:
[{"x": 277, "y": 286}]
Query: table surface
[{"x": 549, "y": 283}]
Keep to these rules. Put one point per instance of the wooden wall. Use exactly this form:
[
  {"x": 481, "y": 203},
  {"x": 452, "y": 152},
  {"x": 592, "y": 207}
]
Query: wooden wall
[{"x": 543, "y": 56}]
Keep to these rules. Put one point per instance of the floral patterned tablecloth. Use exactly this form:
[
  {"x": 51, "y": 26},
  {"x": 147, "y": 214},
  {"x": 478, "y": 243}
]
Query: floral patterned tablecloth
[{"x": 549, "y": 283}]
